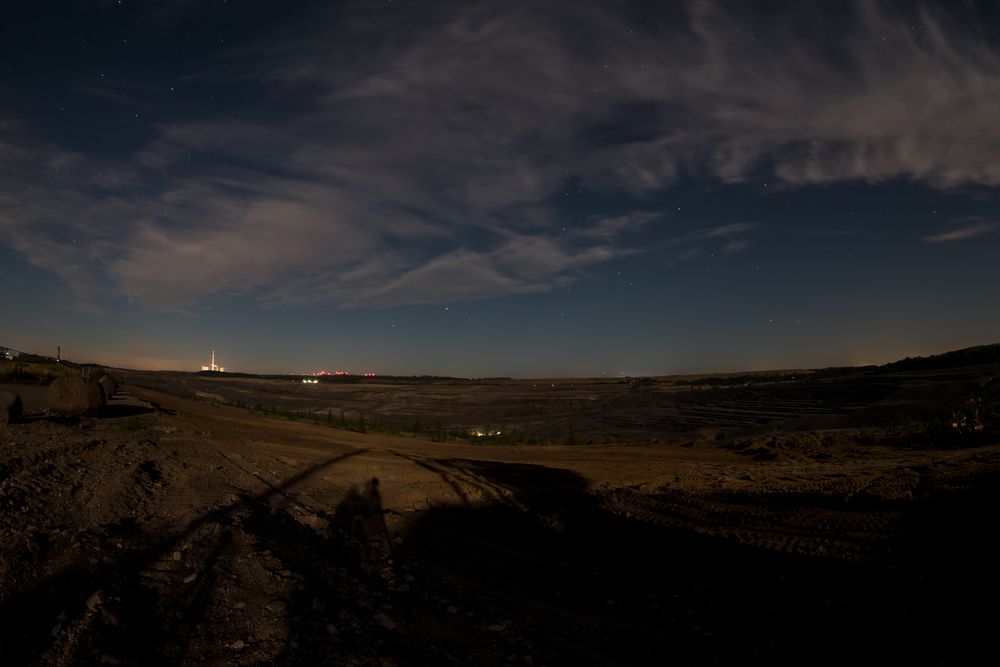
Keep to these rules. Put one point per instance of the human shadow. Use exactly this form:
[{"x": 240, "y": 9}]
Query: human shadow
[
  {"x": 361, "y": 518},
  {"x": 541, "y": 569}
]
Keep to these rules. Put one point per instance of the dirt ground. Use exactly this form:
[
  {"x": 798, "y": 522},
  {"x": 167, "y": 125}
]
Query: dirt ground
[{"x": 171, "y": 531}]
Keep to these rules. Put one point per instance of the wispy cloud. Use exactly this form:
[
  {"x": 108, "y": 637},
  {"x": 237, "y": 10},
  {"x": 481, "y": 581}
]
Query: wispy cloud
[
  {"x": 968, "y": 230},
  {"x": 720, "y": 232},
  {"x": 133, "y": 96},
  {"x": 735, "y": 246},
  {"x": 422, "y": 160},
  {"x": 729, "y": 239}
]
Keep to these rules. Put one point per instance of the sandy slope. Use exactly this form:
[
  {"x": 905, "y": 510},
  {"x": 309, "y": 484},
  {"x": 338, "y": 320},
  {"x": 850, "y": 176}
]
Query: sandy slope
[{"x": 174, "y": 532}]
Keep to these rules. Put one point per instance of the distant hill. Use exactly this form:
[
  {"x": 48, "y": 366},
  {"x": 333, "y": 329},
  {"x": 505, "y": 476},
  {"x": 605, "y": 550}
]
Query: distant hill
[{"x": 980, "y": 355}]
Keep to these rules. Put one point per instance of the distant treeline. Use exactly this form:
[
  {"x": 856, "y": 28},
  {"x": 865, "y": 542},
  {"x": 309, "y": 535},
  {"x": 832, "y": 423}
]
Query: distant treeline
[{"x": 435, "y": 430}]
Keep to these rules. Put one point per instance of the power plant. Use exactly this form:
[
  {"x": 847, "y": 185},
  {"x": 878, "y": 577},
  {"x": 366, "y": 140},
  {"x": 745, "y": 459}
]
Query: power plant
[{"x": 212, "y": 366}]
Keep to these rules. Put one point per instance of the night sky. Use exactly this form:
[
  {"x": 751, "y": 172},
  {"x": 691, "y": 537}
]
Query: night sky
[{"x": 498, "y": 188}]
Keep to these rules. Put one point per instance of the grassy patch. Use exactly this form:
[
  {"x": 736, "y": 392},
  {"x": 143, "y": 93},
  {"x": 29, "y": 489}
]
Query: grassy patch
[{"x": 33, "y": 372}]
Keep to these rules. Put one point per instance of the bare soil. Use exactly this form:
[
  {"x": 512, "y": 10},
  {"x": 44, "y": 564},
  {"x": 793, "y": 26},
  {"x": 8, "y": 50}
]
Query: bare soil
[{"x": 172, "y": 531}]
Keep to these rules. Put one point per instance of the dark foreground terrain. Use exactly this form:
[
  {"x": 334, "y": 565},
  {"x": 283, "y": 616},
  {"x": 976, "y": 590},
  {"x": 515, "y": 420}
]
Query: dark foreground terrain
[{"x": 173, "y": 531}]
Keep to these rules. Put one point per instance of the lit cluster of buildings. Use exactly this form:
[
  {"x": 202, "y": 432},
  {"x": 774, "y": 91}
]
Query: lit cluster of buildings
[{"x": 212, "y": 366}]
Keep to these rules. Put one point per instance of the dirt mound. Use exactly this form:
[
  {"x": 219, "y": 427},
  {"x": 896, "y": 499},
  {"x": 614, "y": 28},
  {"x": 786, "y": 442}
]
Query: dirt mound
[
  {"x": 75, "y": 397},
  {"x": 10, "y": 408}
]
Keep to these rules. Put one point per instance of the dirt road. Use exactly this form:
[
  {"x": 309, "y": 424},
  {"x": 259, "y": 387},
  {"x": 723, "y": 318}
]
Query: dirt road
[{"x": 176, "y": 532}]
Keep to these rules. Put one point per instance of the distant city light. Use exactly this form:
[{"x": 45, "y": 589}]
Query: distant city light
[{"x": 320, "y": 374}]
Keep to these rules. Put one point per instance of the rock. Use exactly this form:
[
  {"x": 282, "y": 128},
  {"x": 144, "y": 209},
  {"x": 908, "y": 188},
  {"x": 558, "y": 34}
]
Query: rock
[
  {"x": 190, "y": 578},
  {"x": 60, "y": 619},
  {"x": 109, "y": 386},
  {"x": 385, "y": 621},
  {"x": 452, "y": 610},
  {"x": 95, "y": 601},
  {"x": 75, "y": 397},
  {"x": 10, "y": 408},
  {"x": 239, "y": 644},
  {"x": 276, "y": 606},
  {"x": 108, "y": 617}
]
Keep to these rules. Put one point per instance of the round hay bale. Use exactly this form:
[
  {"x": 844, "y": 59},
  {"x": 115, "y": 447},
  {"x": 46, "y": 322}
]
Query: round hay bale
[
  {"x": 75, "y": 397},
  {"x": 10, "y": 408},
  {"x": 109, "y": 386}
]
